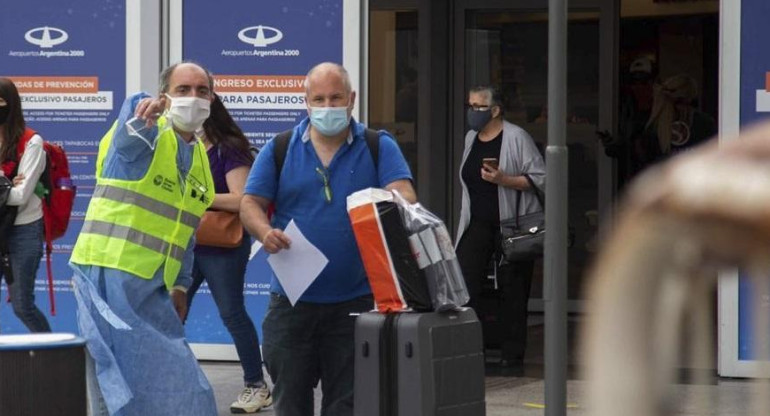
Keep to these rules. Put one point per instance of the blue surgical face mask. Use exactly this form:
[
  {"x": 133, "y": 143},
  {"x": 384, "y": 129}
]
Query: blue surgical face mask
[{"x": 329, "y": 121}]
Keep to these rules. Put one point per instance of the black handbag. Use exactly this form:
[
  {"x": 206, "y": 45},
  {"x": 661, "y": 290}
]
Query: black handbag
[
  {"x": 7, "y": 217},
  {"x": 523, "y": 237}
]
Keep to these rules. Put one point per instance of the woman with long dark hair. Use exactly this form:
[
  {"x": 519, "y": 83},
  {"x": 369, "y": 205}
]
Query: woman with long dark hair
[
  {"x": 224, "y": 269},
  {"x": 25, "y": 239}
]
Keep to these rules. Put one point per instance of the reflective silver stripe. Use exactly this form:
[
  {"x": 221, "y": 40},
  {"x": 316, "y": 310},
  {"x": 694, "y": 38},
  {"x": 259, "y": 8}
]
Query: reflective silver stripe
[
  {"x": 189, "y": 220},
  {"x": 116, "y": 194},
  {"x": 177, "y": 252},
  {"x": 135, "y": 236}
]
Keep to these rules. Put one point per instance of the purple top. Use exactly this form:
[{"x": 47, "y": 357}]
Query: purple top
[{"x": 221, "y": 161}]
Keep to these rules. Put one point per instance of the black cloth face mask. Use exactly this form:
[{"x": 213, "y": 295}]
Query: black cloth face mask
[{"x": 478, "y": 119}]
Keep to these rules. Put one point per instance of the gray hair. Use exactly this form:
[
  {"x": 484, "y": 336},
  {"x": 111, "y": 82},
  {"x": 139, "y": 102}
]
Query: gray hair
[
  {"x": 329, "y": 67},
  {"x": 494, "y": 93},
  {"x": 165, "y": 75}
]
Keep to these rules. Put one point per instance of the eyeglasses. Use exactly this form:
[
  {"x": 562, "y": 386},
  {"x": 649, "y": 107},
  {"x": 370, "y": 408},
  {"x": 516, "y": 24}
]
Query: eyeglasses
[
  {"x": 184, "y": 91},
  {"x": 474, "y": 107},
  {"x": 327, "y": 190}
]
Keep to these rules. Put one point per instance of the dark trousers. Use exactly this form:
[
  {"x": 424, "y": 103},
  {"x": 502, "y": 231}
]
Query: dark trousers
[
  {"x": 308, "y": 343},
  {"x": 476, "y": 249}
]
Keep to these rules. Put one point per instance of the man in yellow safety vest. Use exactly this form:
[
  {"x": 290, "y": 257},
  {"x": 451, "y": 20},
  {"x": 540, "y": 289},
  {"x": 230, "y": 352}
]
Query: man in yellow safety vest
[{"x": 133, "y": 258}]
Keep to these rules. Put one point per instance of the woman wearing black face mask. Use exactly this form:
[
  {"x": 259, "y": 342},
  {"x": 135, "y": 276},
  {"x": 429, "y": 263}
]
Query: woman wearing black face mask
[
  {"x": 25, "y": 238},
  {"x": 497, "y": 159}
]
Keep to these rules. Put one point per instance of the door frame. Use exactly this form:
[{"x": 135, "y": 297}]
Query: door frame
[
  {"x": 609, "y": 44},
  {"x": 433, "y": 152}
]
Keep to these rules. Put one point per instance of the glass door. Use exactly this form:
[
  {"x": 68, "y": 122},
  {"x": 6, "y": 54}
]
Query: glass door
[
  {"x": 393, "y": 69},
  {"x": 508, "y": 48}
]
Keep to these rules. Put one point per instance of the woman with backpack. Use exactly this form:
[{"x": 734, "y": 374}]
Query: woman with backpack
[{"x": 25, "y": 239}]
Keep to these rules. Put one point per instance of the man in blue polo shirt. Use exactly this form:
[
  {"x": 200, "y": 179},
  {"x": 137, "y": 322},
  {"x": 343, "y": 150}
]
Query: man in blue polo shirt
[{"x": 327, "y": 159}]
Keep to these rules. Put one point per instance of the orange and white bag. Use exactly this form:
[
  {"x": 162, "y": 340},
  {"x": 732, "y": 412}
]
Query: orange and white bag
[{"x": 406, "y": 252}]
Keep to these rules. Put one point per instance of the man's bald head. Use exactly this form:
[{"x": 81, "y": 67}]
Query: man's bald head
[
  {"x": 165, "y": 76},
  {"x": 324, "y": 69},
  {"x": 327, "y": 94}
]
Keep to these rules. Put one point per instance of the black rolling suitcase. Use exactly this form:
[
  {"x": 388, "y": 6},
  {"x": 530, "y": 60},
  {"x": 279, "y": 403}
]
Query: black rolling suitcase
[{"x": 419, "y": 364}]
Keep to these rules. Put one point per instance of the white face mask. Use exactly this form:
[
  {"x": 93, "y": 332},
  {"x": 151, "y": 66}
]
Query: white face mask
[{"x": 188, "y": 113}]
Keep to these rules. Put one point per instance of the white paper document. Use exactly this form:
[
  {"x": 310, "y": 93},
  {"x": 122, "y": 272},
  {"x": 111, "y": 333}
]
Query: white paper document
[
  {"x": 297, "y": 267},
  {"x": 255, "y": 247}
]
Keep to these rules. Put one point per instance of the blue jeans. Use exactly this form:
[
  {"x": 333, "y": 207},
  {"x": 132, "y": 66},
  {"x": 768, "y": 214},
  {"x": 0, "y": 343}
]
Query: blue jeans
[
  {"x": 307, "y": 343},
  {"x": 25, "y": 248},
  {"x": 225, "y": 274}
]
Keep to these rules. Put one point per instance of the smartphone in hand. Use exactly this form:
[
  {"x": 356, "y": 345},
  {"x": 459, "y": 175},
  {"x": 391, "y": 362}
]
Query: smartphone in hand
[{"x": 490, "y": 162}]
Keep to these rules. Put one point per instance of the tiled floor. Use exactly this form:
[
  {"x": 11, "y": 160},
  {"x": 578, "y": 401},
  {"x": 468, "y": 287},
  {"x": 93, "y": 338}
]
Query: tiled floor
[
  {"x": 513, "y": 396},
  {"x": 505, "y": 395}
]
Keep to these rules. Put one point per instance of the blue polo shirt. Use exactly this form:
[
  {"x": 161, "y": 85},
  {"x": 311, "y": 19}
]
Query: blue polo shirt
[{"x": 300, "y": 196}]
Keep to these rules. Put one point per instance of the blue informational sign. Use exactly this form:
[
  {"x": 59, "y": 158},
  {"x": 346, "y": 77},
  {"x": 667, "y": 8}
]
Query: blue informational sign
[
  {"x": 259, "y": 53},
  {"x": 67, "y": 59},
  {"x": 746, "y": 301},
  {"x": 755, "y": 106},
  {"x": 755, "y": 61}
]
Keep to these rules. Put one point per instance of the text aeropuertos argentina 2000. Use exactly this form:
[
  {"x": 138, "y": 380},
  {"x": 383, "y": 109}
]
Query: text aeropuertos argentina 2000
[
  {"x": 48, "y": 54},
  {"x": 271, "y": 52}
]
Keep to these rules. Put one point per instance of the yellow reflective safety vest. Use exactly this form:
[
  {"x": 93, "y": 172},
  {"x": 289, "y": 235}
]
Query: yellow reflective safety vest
[{"x": 137, "y": 226}]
